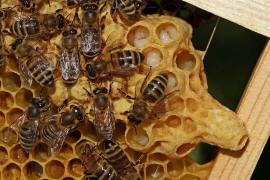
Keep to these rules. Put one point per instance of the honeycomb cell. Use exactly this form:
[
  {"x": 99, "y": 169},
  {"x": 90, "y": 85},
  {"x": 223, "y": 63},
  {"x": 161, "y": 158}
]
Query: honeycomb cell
[
  {"x": 139, "y": 138},
  {"x": 184, "y": 149},
  {"x": 24, "y": 97},
  {"x": 185, "y": 61},
  {"x": 65, "y": 152},
  {"x": 12, "y": 172},
  {"x": 9, "y": 136},
  {"x": 134, "y": 156},
  {"x": 73, "y": 137},
  {"x": 68, "y": 178},
  {"x": 176, "y": 102},
  {"x": 3, "y": 155},
  {"x": 189, "y": 125},
  {"x": 173, "y": 121},
  {"x": 120, "y": 129},
  {"x": 13, "y": 115},
  {"x": 6, "y": 100},
  {"x": 33, "y": 170},
  {"x": 75, "y": 167},
  {"x": 55, "y": 169},
  {"x": 89, "y": 131},
  {"x": 153, "y": 56},
  {"x": 2, "y": 119},
  {"x": 192, "y": 105},
  {"x": 80, "y": 145},
  {"x": 18, "y": 154},
  {"x": 175, "y": 168},
  {"x": 138, "y": 36},
  {"x": 167, "y": 32},
  {"x": 154, "y": 171},
  {"x": 172, "y": 82},
  {"x": 40, "y": 152},
  {"x": 190, "y": 177},
  {"x": 159, "y": 157},
  {"x": 11, "y": 81}
]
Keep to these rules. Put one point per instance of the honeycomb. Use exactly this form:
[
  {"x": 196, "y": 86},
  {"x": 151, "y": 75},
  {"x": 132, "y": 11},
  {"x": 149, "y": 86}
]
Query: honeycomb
[{"x": 193, "y": 115}]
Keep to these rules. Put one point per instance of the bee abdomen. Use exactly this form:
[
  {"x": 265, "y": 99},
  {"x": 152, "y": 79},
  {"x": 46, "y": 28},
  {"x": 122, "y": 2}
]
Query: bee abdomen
[
  {"x": 116, "y": 157},
  {"x": 48, "y": 132},
  {"x": 27, "y": 137},
  {"x": 155, "y": 89},
  {"x": 25, "y": 27},
  {"x": 128, "y": 9},
  {"x": 107, "y": 172},
  {"x": 126, "y": 58}
]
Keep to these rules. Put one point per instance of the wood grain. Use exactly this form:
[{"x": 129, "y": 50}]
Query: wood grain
[
  {"x": 252, "y": 14},
  {"x": 254, "y": 109}
]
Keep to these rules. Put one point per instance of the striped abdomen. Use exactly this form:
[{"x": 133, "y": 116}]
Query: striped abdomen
[
  {"x": 27, "y": 135},
  {"x": 126, "y": 59},
  {"x": 127, "y": 8},
  {"x": 49, "y": 131},
  {"x": 2, "y": 59},
  {"x": 40, "y": 71},
  {"x": 90, "y": 177},
  {"x": 99, "y": 167},
  {"x": 155, "y": 89},
  {"x": 25, "y": 27}
]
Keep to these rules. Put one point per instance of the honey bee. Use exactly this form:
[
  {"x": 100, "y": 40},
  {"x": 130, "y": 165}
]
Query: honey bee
[
  {"x": 120, "y": 63},
  {"x": 70, "y": 59},
  {"x": 96, "y": 167},
  {"x": 37, "y": 25},
  {"x": 149, "y": 99},
  {"x": 57, "y": 126},
  {"x": 104, "y": 120},
  {"x": 91, "y": 42},
  {"x": 129, "y": 9},
  {"x": 119, "y": 160},
  {"x": 32, "y": 65},
  {"x": 29, "y": 122}
]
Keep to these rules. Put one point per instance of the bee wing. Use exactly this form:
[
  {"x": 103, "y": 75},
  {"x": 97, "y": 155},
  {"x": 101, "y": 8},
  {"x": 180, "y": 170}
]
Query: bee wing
[
  {"x": 25, "y": 75},
  {"x": 54, "y": 117},
  {"x": 57, "y": 143},
  {"x": 70, "y": 65},
  {"x": 124, "y": 71}
]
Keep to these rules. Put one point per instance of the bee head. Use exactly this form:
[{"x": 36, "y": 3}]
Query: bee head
[
  {"x": 67, "y": 119},
  {"x": 32, "y": 112},
  {"x": 40, "y": 103},
  {"x": 102, "y": 90},
  {"x": 108, "y": 144},
  {"x": 90, "y": 71},
  {"x": 133, "y": 120},
  {"x": 139, "y": 5},
  {"x": 15, "y": 44},
  {"x": 61, "y": 21},
  {"x": 77, "y": 113},
  {"x": 26, "y": 3},
  {"x": 89, "y": 7}
]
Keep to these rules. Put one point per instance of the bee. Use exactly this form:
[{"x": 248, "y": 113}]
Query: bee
[
  {"x": 104, "y": 120},
  {"x": 70, "y": 59},
  {"x": 57, "y": 126},
  {"x": 37, "y": 25},
  {"x": 2, "y": 43},
  {"x": 119, "y": 63},
  {"x": 129, "y": 9},
  {"x": 119, "y": 160},
  {"x": 32, "y": 65},
  {"x": 29, "y": 122},
  {"x": 92, "y": 25},
  {"x": 149, "y": 99},
  {"x": 96, "y": 167}
]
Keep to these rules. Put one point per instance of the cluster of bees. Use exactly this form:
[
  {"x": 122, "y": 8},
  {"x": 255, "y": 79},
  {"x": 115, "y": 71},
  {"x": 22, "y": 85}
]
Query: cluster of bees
[{"x": 112, "y": 162}]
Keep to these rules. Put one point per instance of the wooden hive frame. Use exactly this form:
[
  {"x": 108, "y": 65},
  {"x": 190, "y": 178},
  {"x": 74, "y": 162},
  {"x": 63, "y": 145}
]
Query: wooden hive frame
[{"x": 254, "y": 106}]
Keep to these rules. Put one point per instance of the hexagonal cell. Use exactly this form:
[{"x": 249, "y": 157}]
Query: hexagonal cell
[
  {"x": 120, "y": 129},
  {"x": 153, "y": 56},
  {"x": 3, "y": 155},
  {"x": 176, "y": 102},
  {"x": 190, "y": 177},
  {"x": 192, "y": 105},
  {"x": 6, "y": 100},
  {"x": 89, "y": 131},
  {"x": 11, "y": 81},
  {"x": 138, "y": 36},
  {"x": 140, "y": 138},
  {"x": 73, "y": 137},
  {"x": 75, "y": 167},
  {"x": 135, "y": 155},
  {"x": 13, "y": 115},
  {"x": 158, "y": 157},
  {"x": 12, "y": 171},
  {"x": 175, "y": 168},
  {"x": 24, "y": 97},
  {"x": 189, "y": 125},
  {"x": 184, "y": 149},
  {"x": 55, "y": 169},
  {"x": 2, "y": 118},
  {"x": 68, "y": 178},
  {"x": 41, "y": 152},
  {"x": 195, "y": 83},
  {"x": 33, "y": 170},
  {"x": 185, "y": 61},
  {"x": 154, "y": 171},
  {"x": 172, "y": 82},
  {"x": 173, "y": 121},
  {"x": 167, "y": 32},
  {"x": 8, "y": 136},
  {"x": 18, "y": 154},
  {"x": 65, "y": 152}
]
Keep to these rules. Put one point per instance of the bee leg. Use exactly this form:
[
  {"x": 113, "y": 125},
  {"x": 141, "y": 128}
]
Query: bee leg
[
  {"x": 88, "y": 93},
  {"x": 63, "y": 105},
  {"x": 145, "y": 79},
  {"x": 125, "y": 113},
  {"x": 126, "y": 95}
]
